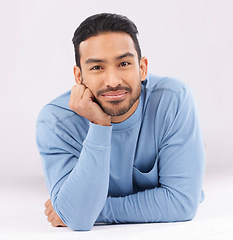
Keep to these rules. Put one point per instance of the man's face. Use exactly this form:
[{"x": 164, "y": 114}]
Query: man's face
[{"x": 110, "y": 69}]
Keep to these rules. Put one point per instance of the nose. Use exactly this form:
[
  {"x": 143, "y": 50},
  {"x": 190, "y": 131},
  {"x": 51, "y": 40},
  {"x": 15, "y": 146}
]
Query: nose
[{"x": 112, "y": 79}]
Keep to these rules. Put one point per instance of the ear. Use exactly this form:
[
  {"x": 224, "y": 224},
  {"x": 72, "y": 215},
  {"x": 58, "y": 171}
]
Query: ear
[
  {"x": 143, "y": 68},
  {"x": 77, "y": 74}
]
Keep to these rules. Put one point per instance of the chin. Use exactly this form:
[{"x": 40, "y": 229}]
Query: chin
[
  {"x": 115, "y": 112},
  {"x": 117, "y": 108}
]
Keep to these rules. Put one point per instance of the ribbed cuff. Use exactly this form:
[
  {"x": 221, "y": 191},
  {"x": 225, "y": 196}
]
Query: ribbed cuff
[
  {"x": 106, "y": 214},
  {"x": 99, "y": 135}
]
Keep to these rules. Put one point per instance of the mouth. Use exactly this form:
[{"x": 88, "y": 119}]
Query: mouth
[{"x": 115, "y": 95}]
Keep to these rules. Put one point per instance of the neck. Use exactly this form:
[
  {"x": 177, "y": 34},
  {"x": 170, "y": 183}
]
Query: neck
[{"x": 123, "y": 117}]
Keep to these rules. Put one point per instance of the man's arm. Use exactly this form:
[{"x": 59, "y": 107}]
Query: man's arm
[
  {"x": 77, "y": 180},
  {"x": 181, "y": 170}
]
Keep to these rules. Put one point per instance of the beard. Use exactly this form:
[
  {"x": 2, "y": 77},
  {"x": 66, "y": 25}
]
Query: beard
[{"x": 116, "y": 110}]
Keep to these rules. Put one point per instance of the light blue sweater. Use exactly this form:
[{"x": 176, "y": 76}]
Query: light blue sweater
[{"x": 148, "y": 168}]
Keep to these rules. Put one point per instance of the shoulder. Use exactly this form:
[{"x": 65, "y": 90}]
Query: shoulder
[
  {"x": 57, "y": 112},
  {"x": 165, "y": 84},
  {"x": 169, "y": 103},
  {"x": 166, "y": 90},
  {"x": 58, "y": 124},
  {"x": 167, "y": 96}
]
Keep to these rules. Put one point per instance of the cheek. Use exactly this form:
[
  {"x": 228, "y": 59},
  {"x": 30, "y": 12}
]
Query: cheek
[
  {"x": 93, "y": 88},
  {"x": 135, "y": 82},
  {"x": 92, "y": 84}
]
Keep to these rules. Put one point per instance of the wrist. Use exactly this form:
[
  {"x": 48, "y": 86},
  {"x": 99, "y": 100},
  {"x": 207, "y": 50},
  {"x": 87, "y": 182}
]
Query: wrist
[
  {"x": 105, "y": 122},
  {"x": 99, "y": 135}
]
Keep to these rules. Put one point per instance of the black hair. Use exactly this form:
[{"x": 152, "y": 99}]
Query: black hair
[{"x": 102, "y": 23}]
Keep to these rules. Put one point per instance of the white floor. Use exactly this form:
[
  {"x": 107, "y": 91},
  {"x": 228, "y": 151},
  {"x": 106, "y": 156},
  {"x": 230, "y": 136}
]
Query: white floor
[{"x": 22, "y": 217}]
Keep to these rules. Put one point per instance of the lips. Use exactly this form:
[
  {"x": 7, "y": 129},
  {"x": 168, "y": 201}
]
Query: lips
[{"x": 115, "y": 94}]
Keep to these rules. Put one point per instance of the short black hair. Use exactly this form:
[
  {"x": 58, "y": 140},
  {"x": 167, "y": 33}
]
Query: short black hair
[{"x": 103, "y": 23}]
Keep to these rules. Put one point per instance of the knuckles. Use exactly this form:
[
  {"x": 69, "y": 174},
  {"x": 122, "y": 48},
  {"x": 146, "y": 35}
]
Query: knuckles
[{"x": 75, "y": 106}]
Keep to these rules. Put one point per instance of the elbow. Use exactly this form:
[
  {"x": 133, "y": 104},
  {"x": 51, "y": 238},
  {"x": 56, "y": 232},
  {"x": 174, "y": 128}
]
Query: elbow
[
  {"x": 76, "y": 219},
  {"x": 80, "y": 227},
  {"x": 79, "y": 224},
  {"x": 181, "y": 207},
  {"x": 186, "y": 211},
  {"x": 188, "y": 214}
]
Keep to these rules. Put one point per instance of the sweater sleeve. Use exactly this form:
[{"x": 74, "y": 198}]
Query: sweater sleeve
[
  {"x": 181, "y": 170},
  {"x": 77, "y": 180}
]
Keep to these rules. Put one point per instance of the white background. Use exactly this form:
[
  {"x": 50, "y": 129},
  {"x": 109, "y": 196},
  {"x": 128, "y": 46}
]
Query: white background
[{"x": 189, "y": 40}]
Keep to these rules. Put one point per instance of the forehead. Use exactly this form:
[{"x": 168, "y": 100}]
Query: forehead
[{"x": 106, "y": 45}]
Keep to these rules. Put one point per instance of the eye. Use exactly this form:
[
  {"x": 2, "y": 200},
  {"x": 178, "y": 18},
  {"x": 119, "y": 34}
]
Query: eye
[
  {"x": 96, "y": 67},
  {"x": 124, "y": 64}
]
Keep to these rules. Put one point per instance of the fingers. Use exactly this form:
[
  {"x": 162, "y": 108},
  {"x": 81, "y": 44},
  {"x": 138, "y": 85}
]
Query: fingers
[
  {"x": 76, "y": 95},
  {"x": 49, "y": 207},
  {"x": 57, "y": 222},
  {"x": 88, "y": 94},
  {"x": 82, "y": 102},
  {"x": 52, "y": 216},
  {"x": 79, "y": 97},
  {"x": 78, "y": 91},
  {"x": 47, "y": 203},
  {"x": 48, "y": 210}
]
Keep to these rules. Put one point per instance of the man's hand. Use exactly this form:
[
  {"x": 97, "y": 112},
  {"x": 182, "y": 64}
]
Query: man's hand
[
  {"x": 53, "y": 218},
  {"x": 82, "y": 102}
]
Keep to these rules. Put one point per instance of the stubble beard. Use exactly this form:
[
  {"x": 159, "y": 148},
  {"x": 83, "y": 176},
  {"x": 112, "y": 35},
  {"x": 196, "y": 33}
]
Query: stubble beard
[
  {"x": 119, "y": 112},
  {"x": 114, "y": 113}
]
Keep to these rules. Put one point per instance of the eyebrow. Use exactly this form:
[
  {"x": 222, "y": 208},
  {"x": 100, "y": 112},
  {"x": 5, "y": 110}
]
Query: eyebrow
[
  {"x": 95, "y": 60},
  {"x": 128, "y": 54}
]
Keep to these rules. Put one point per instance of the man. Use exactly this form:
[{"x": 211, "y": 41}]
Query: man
[{"x": 122, "y": 146}]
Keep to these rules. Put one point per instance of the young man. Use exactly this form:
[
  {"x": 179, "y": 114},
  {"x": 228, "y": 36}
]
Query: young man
[{"x": 122, "y": 146}]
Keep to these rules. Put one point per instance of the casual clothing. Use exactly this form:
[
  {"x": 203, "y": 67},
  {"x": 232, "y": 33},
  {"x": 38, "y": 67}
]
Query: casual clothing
[{"x": 148, "y": 168}]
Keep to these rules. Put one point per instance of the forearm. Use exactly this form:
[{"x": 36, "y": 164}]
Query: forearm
[
  {"x": 82, "y": 196},
  {"x": 154, "y": 205},
  {"x": 180, "y": 170}
]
